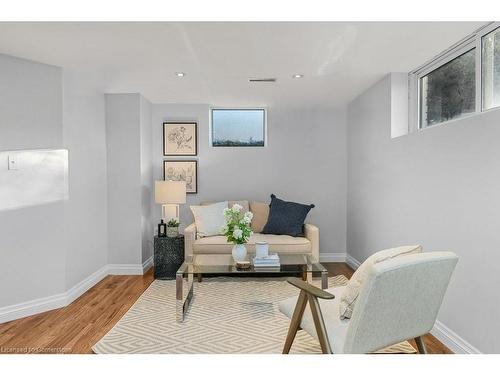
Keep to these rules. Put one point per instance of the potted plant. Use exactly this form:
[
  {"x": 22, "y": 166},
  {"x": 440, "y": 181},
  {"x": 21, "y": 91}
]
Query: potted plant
[
  {"x": 172, "y": 228},
  {"x": 237, "y": 230}
]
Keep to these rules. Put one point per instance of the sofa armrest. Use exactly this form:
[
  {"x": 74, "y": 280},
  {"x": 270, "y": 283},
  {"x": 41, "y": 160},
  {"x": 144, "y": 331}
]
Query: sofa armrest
[
  {"x": 312, "y": 234},
  {"x": 189, "y": 238}
]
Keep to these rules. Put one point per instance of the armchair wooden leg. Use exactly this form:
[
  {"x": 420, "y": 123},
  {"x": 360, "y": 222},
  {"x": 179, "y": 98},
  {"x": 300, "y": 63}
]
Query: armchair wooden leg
[
  {"x": 420, "y": 345},
  {"x": 295, "y": 322},
  {"x": 320, "y": 325}
]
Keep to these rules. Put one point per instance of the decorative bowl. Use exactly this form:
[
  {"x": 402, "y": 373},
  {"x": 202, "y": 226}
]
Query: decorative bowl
[{"x": 243, "y": 265}]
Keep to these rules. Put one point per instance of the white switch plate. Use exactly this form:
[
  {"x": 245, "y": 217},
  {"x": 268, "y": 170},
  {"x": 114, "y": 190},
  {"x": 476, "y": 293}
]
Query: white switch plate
[{"x": 12, "y": 162}]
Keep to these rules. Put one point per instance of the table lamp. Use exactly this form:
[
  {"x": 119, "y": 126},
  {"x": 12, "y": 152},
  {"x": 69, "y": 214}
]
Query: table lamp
[{"x": 170, "y": 194}]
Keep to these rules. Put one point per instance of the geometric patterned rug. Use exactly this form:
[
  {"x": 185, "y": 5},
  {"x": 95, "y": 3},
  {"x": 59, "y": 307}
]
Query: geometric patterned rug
[{"x": 227, "y": 315}]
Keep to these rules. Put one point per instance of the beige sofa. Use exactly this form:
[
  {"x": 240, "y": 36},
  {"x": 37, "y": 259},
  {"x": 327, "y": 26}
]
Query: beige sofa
[{"x": 282, "y": 244}]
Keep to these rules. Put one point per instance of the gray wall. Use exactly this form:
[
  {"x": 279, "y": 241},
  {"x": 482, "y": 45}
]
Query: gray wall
[
  {"x": 32, "y": 252},
  {"x": 147, "y": 186},
  {"x": 85, "y": 214},
  {"x": 128, "y": 139},
  {"x": 439, "y": 188},
  {"x": 30, "y": 104},
  {"x": 305, "y": 161},
  {"x": 124, "y": 179},
  {"x": 46, "y": 249}
]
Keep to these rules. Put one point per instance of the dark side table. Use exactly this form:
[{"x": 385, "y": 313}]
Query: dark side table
[{"x": 168, "y": 256}]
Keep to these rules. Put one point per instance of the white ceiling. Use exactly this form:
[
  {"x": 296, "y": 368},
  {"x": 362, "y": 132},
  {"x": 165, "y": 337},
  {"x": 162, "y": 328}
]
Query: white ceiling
[{"x": 338, "y": 60}]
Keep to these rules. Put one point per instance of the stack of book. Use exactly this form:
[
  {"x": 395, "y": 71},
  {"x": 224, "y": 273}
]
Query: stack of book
[{"x": 268, "y": 263}]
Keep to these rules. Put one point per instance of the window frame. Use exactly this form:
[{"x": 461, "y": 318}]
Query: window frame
[
  {"x": 491, "y": 27},
  {"x": 211, "y": 130},
  {"x": 473, "y": 41}
]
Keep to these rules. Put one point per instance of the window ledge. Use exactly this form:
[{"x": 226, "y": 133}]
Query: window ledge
[{"x": 472, "y": 115}]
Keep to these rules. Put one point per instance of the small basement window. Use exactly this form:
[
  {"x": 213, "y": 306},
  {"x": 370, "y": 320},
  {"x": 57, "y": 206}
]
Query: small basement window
[
  {"x": 460, "y": 82},
  {"x": 238, "y": 127},
  {"x": 449, "y": 91}
]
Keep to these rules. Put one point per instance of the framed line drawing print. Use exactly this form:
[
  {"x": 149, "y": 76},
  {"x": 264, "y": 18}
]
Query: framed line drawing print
[
  {"x": 180, "y": 138},
  {"x": 182, "y": 170}
]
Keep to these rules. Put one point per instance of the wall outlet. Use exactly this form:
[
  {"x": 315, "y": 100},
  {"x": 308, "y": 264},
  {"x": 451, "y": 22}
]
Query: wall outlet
[{"x": 12, "y": 163}]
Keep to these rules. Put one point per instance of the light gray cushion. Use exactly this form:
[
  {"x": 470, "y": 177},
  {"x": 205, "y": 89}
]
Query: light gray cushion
[
  {"x": 353, "y": 288},
  {"x": 230, "y": 204},
  {"x": 209, "y": 219}
]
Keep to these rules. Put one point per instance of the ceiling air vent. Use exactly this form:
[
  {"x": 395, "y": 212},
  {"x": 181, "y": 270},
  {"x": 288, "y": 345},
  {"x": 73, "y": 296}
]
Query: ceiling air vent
[{"x": 261, "y": 80}]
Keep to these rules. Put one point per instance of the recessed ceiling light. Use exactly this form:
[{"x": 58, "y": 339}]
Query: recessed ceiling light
[
  {"x": 298, "y": 76},
  {"x": 180, "y": 74}
]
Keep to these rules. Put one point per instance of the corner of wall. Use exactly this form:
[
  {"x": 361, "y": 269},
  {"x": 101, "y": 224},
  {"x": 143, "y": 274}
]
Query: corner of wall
[{"x": 399, "y": 104}]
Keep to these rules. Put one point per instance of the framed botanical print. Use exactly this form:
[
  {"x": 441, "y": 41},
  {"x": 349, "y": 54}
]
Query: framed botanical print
[
  {"x": 180, "y": 138},
  {"x": 182, "y": 170}
]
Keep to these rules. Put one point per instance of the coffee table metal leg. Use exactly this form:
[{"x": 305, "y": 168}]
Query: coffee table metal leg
[
  {"x": 179, "y": 281},
  {"x": 182, "y": 303},
  {"x": 309, "y": 277},
  {"x": 324, "y": 280}
]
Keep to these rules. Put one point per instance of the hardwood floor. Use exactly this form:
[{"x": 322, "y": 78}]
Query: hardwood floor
[{"x": 78, "y": 326}]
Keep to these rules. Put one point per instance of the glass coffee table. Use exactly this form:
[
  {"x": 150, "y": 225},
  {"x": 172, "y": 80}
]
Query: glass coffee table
[{"x": 223, "y": 265}]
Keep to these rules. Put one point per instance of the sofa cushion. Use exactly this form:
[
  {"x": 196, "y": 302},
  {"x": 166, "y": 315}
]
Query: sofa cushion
[
  {"x": 243, "y": 204},
  {"x": 260, "y": 212},
  {"x": 209, "y": 219},
  {"x": 286, "y": 217},
  {"x": 353, "y": 287},
  {"x": 230, "y": 204},
  {"x": 335, "y": 327},
  {"x": 280, "y": 244}
]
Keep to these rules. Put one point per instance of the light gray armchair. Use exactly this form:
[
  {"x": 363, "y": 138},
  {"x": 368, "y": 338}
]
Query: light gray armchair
[{"x": 399, "y": 301}]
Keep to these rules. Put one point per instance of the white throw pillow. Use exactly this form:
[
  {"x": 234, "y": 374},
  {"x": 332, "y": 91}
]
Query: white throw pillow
[
  {"x": 353, "y": 287},
  {"x": 209, "y": 219}
]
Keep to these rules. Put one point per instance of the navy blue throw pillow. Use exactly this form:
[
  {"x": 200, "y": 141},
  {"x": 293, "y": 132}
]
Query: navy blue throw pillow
[{"x": 286, "y": 217}]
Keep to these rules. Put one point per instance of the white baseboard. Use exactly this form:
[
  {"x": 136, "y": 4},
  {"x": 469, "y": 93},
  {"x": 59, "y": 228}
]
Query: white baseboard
[
  {"x": 453, "y": 341},
  {"x": 332, "y": 257},
  {"x": 57, "y": 301},
  {"x": 125, "y": 269},
  {"x": 147, "y": 264},
  {"x": 84, "y": 285},
  {"x": 352, "y": 262},
  {"x": 130, "y": 269},
  {"x": 32, "y": 307}
]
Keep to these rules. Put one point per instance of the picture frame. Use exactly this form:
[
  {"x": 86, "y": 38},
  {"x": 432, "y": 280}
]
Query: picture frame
[
  {"x": 180, "y": 138},
  {"x": 182, "y": 170}
]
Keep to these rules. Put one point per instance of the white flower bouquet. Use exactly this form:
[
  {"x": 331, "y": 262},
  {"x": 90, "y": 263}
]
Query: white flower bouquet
[{"x": 237, "y": 228}]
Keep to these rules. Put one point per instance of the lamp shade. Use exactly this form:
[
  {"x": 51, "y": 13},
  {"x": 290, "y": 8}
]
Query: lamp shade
[{"x": 170, "y": 192}]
